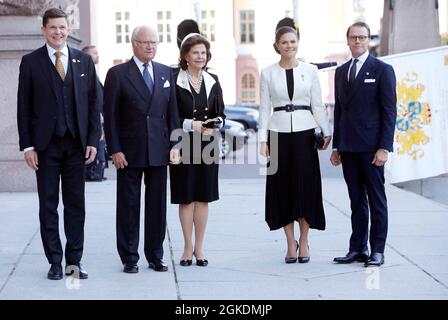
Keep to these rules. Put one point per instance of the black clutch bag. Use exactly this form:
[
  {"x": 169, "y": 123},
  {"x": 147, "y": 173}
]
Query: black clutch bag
[
  {"x": 212, "y": 123},
  {"x": 318, "y": 140}
]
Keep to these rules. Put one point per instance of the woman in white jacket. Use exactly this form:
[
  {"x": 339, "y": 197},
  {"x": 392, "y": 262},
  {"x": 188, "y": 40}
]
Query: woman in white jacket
[{"x": 291, "y": 109}]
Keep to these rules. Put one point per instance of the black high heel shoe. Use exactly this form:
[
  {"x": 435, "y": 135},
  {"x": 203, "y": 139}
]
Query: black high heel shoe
[
  {"x": 186, "y": 262},
  {"x": 201, "y": 262},
  {"x": 292, "y": 259},
  {"x": 305, "y": 259}
]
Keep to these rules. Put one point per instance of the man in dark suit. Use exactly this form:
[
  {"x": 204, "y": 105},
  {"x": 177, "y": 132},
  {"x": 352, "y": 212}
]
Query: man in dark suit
[
  {"x": 58, "y": 123},
  {"x": 364, "y": 121},
  {"x": 140, "y": 112}
]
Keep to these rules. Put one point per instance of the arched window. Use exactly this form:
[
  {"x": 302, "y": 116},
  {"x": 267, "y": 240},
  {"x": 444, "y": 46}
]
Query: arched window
[{"x": 248, "y": 92}]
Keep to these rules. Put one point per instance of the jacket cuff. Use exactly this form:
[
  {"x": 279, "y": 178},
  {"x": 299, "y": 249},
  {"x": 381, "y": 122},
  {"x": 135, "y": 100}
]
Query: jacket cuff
[{"x": 187, "y": 125}]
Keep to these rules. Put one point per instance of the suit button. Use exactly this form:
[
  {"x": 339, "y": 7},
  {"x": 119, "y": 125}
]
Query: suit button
[
  {"x": 194, "y": 111},
  {"x": 206, "y": 109},
  {"x": 194, "y": 119},
  {"x": 205, "y": 117}
]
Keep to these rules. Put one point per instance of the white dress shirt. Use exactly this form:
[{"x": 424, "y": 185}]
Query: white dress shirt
[
  {"x": 140, "y": 66},
  {"x": 307, "y": 92},
  {"x": 64, "y": 56},
  {"x": 361, "y": 59}
]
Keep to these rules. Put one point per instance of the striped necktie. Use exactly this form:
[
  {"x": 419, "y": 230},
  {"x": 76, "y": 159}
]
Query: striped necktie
[{"x": 59, "y": 66}]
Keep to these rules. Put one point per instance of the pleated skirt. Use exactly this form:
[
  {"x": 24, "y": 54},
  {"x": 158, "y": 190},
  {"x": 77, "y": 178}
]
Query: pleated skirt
[
  {"x": 294, "y": 190},
  {"x": 196, "y": 180}
]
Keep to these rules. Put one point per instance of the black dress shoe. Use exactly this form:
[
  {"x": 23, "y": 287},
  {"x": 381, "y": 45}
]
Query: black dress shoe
[
  {"x": 158, "y": 265},
  {"x": 292, "y": 259},
  {"x": 130, "y": 268},
  {"x": 202, "y": 262},
  {"x": 305, "y": 259},
  {"x": 55, "y": 272},
  {"x": 186, "y": 262},
  {"x": 375, "y": 259},
  {"x": 353, "y": 256},
  {"x": 77, "y": 270}
]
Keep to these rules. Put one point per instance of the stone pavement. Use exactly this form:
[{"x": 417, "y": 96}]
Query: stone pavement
[{"x": 246, "y": 259}]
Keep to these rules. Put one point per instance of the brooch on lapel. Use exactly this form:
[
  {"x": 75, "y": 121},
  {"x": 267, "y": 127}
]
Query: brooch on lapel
[{"x": 76, "y": 61}]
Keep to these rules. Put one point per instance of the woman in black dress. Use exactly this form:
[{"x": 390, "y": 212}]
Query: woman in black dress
[
  {"x": 291, "y": 109},
  {"x": 194, "y": 182}
]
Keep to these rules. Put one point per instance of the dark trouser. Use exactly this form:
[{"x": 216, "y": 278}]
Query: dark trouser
[
  {"x": 365, "y": 182},
  {"x": 62, "y": 161},
  {"x": 128, "y": 212}
]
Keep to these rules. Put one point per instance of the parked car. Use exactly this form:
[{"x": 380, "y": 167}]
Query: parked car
[
  {"x": 248, "y": 117},
  {"x": 233, "y": 137}
]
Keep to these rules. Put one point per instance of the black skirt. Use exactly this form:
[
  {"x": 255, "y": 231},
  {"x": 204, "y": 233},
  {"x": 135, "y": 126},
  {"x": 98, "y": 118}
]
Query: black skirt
[
  {"x": 196, "y": 178},
  {"x": 295, "y": 189}
]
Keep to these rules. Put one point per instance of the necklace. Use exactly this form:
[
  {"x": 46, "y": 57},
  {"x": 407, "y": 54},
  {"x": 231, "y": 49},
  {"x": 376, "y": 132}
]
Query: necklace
[{"x": 196, "y": 84}]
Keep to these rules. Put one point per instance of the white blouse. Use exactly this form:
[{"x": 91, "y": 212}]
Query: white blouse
[{"x": 307, "y": 92}]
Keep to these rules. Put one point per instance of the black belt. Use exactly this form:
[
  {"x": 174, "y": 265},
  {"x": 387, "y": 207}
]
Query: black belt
[{"x": 291, "y": 108}]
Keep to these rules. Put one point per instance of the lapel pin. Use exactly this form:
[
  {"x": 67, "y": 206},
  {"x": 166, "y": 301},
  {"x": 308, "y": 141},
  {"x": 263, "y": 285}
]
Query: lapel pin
[
  {"x": 74, "y": 60},
  {"x": 367, "y": 73}
]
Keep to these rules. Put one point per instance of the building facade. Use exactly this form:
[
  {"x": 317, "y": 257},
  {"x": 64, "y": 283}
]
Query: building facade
[{"x": 241, "y": 33}]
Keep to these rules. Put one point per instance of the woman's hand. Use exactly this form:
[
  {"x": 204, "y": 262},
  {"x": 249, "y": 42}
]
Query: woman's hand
[
  {"x": 197, "y": 126},
  {"x": 264, "y": 150},
  {"x": 327, "y": 141}
]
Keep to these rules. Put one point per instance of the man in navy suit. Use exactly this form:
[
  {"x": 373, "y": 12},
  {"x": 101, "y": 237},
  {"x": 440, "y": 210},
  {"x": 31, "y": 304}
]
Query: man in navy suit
[
  {"x": 59, "y": 130},
  {"x": 140, "y": 112},
  {"x": 364, "y": 121}
]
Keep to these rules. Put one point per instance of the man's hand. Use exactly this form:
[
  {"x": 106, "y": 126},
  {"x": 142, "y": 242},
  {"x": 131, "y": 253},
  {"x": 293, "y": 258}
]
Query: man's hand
[
  {"x": 264, "y": 150},
  {"x": 174, "y": 156},
  {"x": 327, "y": 141},
  {"x": 32, "y": 160},
  {"x": 335, "y": 158},
  {"x": 380, "y": 157},
  {"x": 119, "y": 160},
  {"x": 90, "y": 154}
]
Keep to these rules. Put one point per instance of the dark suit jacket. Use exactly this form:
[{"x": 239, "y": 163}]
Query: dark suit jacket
[
  {"x": 136, "y": 123},
  {"x": 37, "y": 101},
  {"x": 365, "y": 115}
]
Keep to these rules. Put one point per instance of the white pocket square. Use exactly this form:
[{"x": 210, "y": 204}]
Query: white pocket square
[
  {"x": 369, "y": 80},
  {"x": 166, "y": 84}
]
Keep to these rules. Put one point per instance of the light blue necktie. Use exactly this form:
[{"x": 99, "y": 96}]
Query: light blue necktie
[{"x": 148, "y": 80}]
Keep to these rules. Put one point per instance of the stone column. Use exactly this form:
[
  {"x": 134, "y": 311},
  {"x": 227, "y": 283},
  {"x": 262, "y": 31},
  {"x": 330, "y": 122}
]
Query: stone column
[
  {"x": 20, "y": 23},
  {"x": 404, "y": 23}
]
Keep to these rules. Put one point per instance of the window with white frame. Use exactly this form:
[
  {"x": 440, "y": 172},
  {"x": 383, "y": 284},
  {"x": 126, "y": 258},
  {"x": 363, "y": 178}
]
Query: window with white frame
[
  {"x": 247, "y": 26},
  {"x": 122, "y": 27},
  {"x": 248, "y": 91},
  {"x": 208, "y": 24},
  {"x": 164, "y": 25}
]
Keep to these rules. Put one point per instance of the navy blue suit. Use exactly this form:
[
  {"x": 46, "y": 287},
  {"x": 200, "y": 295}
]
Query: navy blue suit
[
  {"x": 139, "y": 125},
  {"x": 364, "y": 122},
  {"x": 45, "y": 105}
]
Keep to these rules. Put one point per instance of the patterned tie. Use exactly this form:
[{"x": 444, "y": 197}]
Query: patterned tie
[
  {"x": 352, "y": 75},
  {"x": 59, "y": 66},
  {"x": 147, "y": 78}
]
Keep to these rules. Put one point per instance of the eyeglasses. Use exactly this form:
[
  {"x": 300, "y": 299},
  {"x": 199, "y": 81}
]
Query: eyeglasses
[
  {"x": 360, "y": 38},
  {"x": 147, "y": 43}
]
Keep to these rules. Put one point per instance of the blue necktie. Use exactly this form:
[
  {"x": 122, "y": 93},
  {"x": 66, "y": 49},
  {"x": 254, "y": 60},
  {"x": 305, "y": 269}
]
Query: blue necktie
[
  {"x": 352, "y": 74},
  {"x": 148, "y": 80}
]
